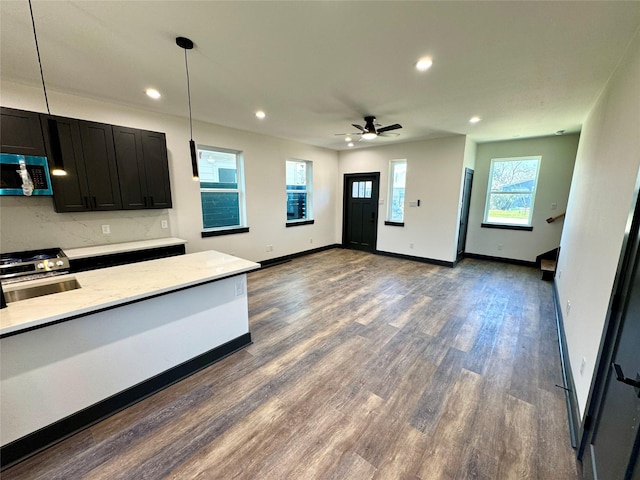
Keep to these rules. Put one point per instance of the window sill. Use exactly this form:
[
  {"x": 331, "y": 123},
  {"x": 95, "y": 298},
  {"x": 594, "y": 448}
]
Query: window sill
[
  {"x": 394, "y": 224},
  {"x": 298, "y": 223},
  {"x": 506, "y": 227},
  {"x": 228, "y": 231}
]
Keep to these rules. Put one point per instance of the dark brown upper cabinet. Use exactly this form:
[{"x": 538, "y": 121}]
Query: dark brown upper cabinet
[
  {"x": 143, "y": 168},
  {"x": 88, "y": 155},
  {"x": 20, "y": 132}
]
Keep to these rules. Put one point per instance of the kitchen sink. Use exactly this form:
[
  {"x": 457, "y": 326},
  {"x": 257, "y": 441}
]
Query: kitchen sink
[{"x": 41, "y": 290}]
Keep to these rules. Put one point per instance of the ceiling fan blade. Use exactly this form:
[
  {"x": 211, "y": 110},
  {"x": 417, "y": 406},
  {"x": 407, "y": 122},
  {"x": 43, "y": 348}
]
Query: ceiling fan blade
[
  {"x": 348, "y": 134},
  {"x": 388, "y": 134},
  {"x": 359, "y": 127},
  {"x": 395, "y": 126}
]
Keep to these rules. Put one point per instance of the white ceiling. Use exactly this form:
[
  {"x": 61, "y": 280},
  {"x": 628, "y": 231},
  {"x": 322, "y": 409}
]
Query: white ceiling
[{"x": 527, "y": 68}]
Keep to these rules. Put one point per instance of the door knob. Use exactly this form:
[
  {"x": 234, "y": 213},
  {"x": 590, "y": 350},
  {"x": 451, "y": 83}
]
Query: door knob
[{"x": 621, "y": 378}]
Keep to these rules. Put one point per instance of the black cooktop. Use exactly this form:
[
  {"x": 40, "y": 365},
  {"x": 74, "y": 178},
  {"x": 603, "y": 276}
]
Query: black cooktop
[{"x": 29, "y": 256}]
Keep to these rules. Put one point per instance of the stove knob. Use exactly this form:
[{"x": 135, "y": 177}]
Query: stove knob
[
  {"x": 59, "y": 263},
  {"x": 40, "y": 266},
  {"x": 50, "y": 264}
]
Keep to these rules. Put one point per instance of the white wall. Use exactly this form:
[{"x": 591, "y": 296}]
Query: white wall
[
  {"x": 554, "y": 180},
  {"x": 32, "y": 223},
  {"x": 434, "y": 170},
  {"x": 601, "y": 197}
]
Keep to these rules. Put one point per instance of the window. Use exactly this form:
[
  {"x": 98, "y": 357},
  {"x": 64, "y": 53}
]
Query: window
[
  {"x": 299, "y": 182},
  {"x": 362, "y": 189},
  {"x": 511, "y": 191},
  {"x": 397, "y": 180},
  {"x": 221, "y": 188}
]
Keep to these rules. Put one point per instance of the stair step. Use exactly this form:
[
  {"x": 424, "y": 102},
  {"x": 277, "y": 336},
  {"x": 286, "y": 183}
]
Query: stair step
[{"x": 547, "y": 265}]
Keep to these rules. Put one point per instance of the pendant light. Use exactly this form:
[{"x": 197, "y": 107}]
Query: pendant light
[
  {"x": 187, "y": 44},
  {"x": 56, "y": 153}
]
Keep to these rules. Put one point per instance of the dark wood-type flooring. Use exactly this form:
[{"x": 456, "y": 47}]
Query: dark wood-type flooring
[{"x": 362, "y": 367}]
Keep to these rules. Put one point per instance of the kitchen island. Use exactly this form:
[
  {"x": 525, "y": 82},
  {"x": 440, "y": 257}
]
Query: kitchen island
[{"x": 69, "y": 359}]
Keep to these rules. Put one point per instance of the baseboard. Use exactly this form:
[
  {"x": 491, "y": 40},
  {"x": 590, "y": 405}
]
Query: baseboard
[
  {"x": 35, "y": 442},
  {"x": 286, "y": 258},
  {"x": 432, "y": 261},
  {"x": 569, "y": 386},
  {"x": 512, "y": 261},
  {"x": 279, "y": 260}
]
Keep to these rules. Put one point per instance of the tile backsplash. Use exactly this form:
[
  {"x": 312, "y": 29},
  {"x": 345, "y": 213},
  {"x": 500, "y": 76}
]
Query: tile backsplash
[{"x": 31, "y": 223}]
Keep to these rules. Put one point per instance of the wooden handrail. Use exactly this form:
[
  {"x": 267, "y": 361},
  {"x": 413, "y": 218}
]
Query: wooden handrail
[{"x": 557, "y": 217}]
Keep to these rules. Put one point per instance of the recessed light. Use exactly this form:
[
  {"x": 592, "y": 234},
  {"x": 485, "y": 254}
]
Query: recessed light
[
  {"x": 153, "y": 93},
  {"x": 260, "y": 114},
  {"x": 424, "y": 64},
  {"x": 474, "y": 119},
  {"x": 350, "y": 144},
  {"x": 347, "y": 139}
]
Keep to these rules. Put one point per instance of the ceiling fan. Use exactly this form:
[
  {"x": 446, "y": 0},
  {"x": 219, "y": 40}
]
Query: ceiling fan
[{"x": 372, "y": 129}]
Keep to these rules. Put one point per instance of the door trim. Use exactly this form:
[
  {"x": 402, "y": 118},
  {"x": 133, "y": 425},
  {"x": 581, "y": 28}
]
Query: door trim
[
  {"x": 467, "y": 171},
  {"x": 345, "y": 196}
]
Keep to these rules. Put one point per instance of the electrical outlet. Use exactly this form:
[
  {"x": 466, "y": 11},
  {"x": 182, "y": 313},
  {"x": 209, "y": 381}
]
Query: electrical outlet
[
  {"x": 559, "y": 274},
  {"x": 554, "y": 206},
  {"x": 268, "y": 248},
  {"x": 164, "y": 224},
  {"x": 583, "y": 365},
  {"x": 106, "y": 229},
  {"x": 500, "y": 246},
  {"x": 311, "y": 240},
  {"x": 411, "y": 245},
  {"x": 239, "y": 289},
  {"x": 568, "y": 307}
]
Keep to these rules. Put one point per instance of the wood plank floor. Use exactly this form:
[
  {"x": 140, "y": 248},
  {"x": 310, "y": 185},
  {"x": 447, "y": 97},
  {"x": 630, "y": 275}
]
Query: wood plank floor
[{"x": 362, "y": 367}]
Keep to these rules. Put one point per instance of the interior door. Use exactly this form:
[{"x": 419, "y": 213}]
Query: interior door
[
  {"x": 616, "y": 440},
  {"x": 464, "y": 211},
  {"x": 360, "y": 211}
]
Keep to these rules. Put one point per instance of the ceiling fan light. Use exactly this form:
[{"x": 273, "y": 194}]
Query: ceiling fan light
[
  {"x": 350, "y": 144},
  {"x": 347, "y": 138},
  {"x": 369, "y": 135}
]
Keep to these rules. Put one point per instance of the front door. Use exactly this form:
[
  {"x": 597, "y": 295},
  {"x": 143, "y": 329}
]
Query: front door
[
  {"x": 360, "y": 211},
  {"x": 464, "y": 211},
  {"x": 616, "y": 439}
]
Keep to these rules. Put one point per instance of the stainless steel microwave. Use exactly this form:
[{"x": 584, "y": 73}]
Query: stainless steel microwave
[{"x": 24, "y": 175}]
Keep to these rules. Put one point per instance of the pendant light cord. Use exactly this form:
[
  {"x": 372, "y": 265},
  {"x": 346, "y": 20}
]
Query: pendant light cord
[
  {"x": 44, "y": 88},
  {"x": 186, "y": 64}
]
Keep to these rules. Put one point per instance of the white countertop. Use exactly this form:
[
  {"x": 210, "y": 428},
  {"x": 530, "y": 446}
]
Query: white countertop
[
  {"x": 109, "y": 287},
  {"x": 97, "y": 250}
]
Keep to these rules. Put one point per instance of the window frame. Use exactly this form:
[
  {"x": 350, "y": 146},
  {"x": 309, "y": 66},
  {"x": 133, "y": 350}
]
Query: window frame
[
  {"x": 506, "y": 225},
  {"x": 308, "y": 191},
  {"x": 390, "y": 220},
  {"x": 240, "y": 189}
]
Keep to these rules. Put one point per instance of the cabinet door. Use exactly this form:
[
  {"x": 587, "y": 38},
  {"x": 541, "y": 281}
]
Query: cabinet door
[
  {"x": 70, "y": 192},
  {"x": 20, "y": 132},
  {"x": 129, "y": 158},
  {"x": 100, "y": 164},
  {"x": 154, "y": 147}
]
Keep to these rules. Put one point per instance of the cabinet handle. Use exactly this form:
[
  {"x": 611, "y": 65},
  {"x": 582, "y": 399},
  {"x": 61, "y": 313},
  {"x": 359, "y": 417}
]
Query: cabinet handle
[
  {"x": 151, "y": 200},
  {"x": 95, "y": 202},
  {"x": 145, "y": 201},
  {"x": 85, "y": 201}
]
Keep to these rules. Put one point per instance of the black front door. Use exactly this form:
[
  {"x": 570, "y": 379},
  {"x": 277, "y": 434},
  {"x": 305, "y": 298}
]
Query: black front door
[
  {"x": 360, "y": 212},
  {"x": 616, "y": 439},
  {"x": 464, "y": 211}
]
